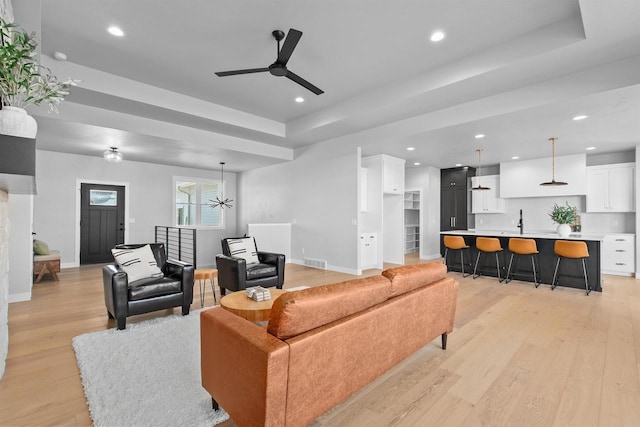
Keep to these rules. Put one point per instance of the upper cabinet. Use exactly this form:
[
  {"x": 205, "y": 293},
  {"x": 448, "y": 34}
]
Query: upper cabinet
[
  {"x": 392, "y": 175},
  {"x": 522, "y": 178},
  {"x": 611, "y": 188},
  {"x": 486, "y": 201}
]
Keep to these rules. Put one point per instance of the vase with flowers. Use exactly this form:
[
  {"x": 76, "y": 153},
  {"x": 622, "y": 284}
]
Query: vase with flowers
[
  {"x": 563, "y": 216},
  {"x": 24, "y": 82}
]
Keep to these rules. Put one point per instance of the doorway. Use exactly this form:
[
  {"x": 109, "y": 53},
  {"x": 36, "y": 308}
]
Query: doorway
[{"x": 102, "y": 221}]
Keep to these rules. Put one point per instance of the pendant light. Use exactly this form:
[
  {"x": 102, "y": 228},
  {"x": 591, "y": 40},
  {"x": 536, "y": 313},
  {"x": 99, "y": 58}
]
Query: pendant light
[
  {"x": 220, "y": 200},
  {"x": 480, "y": 187},
  {"x": 112, "y": 155},
  {"x": 553, "y": 182}
]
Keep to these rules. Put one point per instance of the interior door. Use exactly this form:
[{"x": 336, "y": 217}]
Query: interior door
[{"x": 101, "y": 221}]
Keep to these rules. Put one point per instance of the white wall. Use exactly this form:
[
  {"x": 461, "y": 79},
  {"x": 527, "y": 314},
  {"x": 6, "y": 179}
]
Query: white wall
[
  {"x": 4, "y": 279},
  {"x": 427, "y": 179},
  {"x": 317, "y": 193},
  {"x": 150, "y": 200},
  {"x": 20, "y": 247}
]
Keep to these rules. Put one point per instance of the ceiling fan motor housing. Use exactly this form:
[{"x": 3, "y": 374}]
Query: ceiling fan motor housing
[{"x": 278, "y": 69}]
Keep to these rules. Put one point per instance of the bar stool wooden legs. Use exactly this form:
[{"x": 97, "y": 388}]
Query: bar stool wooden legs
[
  {"x": 487, "y": 245},
  {"x": 518, "y": 247},
  {"x": 455, "y": 243},
  {"x": 566, "y": 249}
]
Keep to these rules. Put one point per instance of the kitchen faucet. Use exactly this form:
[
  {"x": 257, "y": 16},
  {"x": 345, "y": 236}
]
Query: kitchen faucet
[{"x": 520, "y": 223}]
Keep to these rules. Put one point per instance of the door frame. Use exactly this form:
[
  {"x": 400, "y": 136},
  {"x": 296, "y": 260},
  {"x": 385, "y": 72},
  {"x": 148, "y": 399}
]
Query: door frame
[{"x": 79, "y": 183}]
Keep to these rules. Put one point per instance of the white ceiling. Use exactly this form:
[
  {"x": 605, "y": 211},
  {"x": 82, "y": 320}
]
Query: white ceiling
[{"x": 516, "y": 71}]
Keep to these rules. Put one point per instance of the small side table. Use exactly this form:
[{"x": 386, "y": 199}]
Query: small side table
[{"x": 201, "y": 275}]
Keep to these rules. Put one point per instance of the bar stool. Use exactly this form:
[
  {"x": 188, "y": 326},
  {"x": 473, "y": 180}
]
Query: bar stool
[
  {"x": 518, "y": 247},
  {"x": 455, "y": 243},
  {"x": 201, "y": 275},
  {"x": 567, "y": 249},
  {"x": 487, "y": 245}
]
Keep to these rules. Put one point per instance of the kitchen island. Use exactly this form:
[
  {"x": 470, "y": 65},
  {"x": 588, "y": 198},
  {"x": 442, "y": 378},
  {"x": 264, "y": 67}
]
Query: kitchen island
[{"x": 572, "y": 275}]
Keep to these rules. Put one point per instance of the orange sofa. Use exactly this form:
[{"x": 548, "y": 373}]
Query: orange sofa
[{"x": 322, "y": 344}]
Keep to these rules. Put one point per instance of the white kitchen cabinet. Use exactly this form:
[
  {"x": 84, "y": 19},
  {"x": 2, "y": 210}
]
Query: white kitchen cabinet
[
  {"x": 610, "y": 188},
  {"x": 392, "y": 175},
  {"x": 368, "y": 250},
  {"x": 486, "y": 201},
  {"x": 618, "y": 254}
]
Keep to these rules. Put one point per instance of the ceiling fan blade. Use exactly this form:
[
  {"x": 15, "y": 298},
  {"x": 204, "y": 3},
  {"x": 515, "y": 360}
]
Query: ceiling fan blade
[
  {"x": 289, "y": 45},
  {"x": 235, "y": 72},
  {"x": 302, "y": 82}
]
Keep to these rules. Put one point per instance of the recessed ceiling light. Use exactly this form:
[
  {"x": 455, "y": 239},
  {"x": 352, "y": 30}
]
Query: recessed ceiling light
[
  {"x": 515, "y": 158},
  {"x": 115, "y": 31},
  {"x": 480, "y": 135},
  {"x": 436, "y": 36},
  {"x": 411, "y": 148},
  {"x": 591, "y": 148},
  {"x": 580, "y": 117},
  {"x": 416, "y": 164},
  {"x": 299, "y": 99},
  {"x": 458, "y": 164}
]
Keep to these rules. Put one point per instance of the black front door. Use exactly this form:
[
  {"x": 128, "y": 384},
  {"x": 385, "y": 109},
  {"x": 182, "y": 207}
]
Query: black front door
[{"x": 101, "y": 221}]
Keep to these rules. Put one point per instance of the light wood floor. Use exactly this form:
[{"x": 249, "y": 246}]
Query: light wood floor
[{"x": 518, "y": 356}]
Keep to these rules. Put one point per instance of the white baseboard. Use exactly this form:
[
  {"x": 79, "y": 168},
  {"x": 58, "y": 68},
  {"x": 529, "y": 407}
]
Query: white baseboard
[
  {"x": 69, "y": 265},
  {"x": 24, "y": 296},
  {"x": 330, "y": 267},
  {"x": 430, "y": 257}
]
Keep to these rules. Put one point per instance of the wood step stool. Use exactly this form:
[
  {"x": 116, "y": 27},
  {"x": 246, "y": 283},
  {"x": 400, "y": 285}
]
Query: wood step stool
[{"x": 46, "y": 264}]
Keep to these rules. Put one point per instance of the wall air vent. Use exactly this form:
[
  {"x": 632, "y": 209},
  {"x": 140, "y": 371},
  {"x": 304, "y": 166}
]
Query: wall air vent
[{"x": 315, "y": 263}]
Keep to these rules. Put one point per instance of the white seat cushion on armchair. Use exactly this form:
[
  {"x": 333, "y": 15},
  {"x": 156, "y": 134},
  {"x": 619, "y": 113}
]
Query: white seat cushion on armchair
[
  {"x": 137, "y": 263},
  {"x": 244, "y": 248}
]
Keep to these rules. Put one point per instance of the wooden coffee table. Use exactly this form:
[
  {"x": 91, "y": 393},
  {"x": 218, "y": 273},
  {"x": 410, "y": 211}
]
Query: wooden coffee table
[{"x": 238, "y": 303}]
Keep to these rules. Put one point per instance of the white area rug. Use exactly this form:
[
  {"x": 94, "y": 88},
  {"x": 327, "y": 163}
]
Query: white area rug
[{"x": 146, "y": 375}]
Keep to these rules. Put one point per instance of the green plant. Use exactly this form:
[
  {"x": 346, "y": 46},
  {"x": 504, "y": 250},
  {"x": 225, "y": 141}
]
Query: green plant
[
  {"x": 563, "y": 214},
  {"x": 23, "y": 81}
]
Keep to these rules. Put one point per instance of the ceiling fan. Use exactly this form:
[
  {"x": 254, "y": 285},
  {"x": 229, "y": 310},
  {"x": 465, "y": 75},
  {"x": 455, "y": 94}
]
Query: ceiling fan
[{"x": 279, "y": 68}]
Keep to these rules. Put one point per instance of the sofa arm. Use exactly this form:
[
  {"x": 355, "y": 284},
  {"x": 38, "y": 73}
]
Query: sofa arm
[
  {"x": 185, "y": 272},
  {"x": 232, "y": 273},
  {"x": 116, "y": 285},
  {"x": 244, "y": 368},
  {"x": 274, "y": 259}
]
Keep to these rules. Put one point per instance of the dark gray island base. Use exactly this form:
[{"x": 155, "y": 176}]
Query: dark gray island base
[{"x": 571, "y": 270}]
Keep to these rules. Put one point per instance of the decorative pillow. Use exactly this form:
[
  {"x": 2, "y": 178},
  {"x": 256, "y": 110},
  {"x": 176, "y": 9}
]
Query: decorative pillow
[
  {"x": 244, "y": 248},
  {"x": 137, "y": 263},
  {"x": 40, "y": 248}
]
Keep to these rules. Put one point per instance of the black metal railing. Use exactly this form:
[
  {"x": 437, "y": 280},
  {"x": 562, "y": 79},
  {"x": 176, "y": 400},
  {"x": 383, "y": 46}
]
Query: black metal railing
[{"x": 179, "y": 242}]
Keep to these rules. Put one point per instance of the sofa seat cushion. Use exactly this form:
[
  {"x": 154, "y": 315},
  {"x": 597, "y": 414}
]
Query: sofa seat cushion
[
  {"x": 153, "y": 287},
  {"x": 259, "y": 270},
  {"x": 409, "y": 277},
  {"x": 294, "y": 313}
]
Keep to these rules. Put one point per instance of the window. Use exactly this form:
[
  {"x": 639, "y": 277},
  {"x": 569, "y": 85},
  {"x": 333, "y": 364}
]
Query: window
[{"x": 193, "y": 200}]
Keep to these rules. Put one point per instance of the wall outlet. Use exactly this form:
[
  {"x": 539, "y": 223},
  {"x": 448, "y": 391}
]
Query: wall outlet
[
  {"x": 481, "y": 222},
  {"x": 615, "y": 223},
  {"x": 354, "y": 222}
]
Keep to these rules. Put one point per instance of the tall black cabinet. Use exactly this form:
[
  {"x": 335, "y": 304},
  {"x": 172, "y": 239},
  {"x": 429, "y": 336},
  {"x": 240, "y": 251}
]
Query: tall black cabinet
[{"x": 455, "y": 198}]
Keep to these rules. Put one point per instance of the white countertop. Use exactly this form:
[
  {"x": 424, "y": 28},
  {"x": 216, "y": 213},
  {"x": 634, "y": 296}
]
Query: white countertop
[{"x": 530, "y": 235}]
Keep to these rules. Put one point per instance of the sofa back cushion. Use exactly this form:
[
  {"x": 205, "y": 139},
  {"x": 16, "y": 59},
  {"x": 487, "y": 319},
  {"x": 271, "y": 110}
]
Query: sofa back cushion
[
  {"x": 294, "y": 313},
  {"x": 409, "y": 277}
]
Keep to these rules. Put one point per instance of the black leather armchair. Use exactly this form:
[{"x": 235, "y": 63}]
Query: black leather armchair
[
  {"x": 124, "y": 299},
  {"x": 236, "y": 275}
]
